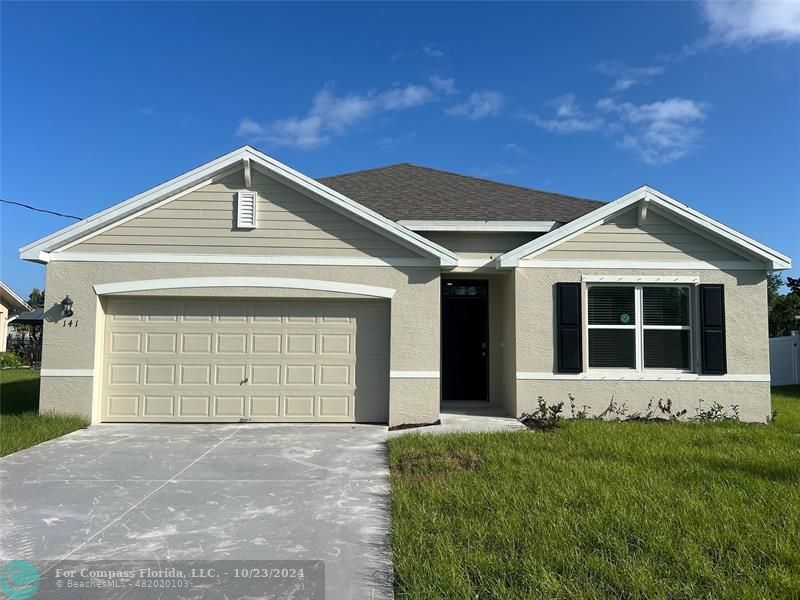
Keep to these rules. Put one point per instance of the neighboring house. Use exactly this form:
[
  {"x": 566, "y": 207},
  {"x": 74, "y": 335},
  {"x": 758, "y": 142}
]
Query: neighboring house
[
  {"x": 245, "y": 290},
  {"x": 25, "y": 336},
  {"x": 10, "y": 305}
]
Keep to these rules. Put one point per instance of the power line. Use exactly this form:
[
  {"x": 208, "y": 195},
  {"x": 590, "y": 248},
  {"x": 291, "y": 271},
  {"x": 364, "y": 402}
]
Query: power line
[{"x": 41, "y": 210}]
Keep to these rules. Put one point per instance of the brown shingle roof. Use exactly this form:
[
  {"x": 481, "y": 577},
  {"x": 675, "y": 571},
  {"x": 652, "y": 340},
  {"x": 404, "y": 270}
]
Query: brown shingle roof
[{"x": 409, "y": 192}]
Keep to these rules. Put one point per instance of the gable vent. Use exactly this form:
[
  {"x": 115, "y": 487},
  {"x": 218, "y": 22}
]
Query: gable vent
[{"x": 246, "y": 210}]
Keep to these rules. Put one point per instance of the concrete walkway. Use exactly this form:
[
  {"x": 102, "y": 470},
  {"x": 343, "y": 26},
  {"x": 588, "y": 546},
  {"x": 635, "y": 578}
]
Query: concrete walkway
[{"x": 462, "y": 417}]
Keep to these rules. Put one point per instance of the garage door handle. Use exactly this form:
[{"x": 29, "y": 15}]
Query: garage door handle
[{"x": 245, "y": 380}]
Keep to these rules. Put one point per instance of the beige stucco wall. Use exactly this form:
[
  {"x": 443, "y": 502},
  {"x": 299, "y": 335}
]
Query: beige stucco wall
[
  {"x": 414, "y": 323},
  {"x": 746, "y": 338}
]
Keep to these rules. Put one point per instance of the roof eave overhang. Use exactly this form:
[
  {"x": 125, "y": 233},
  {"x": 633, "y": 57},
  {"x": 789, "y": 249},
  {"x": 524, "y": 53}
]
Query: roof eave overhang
[
  {"x": 772, "y": 259},
  {"x": 39, "y": 250}
]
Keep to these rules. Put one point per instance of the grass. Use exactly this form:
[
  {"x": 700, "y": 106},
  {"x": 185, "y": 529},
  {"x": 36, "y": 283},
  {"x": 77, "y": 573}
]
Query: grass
[
  {"x": 601, "y": 510},
  {"x": 21, "y": 425}
]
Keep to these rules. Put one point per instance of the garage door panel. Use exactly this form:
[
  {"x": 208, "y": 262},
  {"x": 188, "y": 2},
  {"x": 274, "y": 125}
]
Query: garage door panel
[
  {"x": 229, "y": 406},
  {"x": 123, "y": 406},
  {"x": 265, "y": 406},
  {"x": 231, "y": 343},
  {"x": 194, "y": 406},
  {"x": 298, "y": 406},
  {"x": 159, "y": 374},
  {"x": 289, "y": 360},
  {"x": 196, "y": 343},
  {"x": 230, "y": 374},
  {"x": 122, "y": 374},
  {"x": 158, "y": 406},
  {"x": 122, "y": 342},
  {"x": 266, "y": 343}
]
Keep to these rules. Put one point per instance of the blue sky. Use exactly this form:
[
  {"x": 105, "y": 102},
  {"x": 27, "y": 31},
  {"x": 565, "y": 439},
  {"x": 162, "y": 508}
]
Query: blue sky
[{"x": 102, "y": 101}]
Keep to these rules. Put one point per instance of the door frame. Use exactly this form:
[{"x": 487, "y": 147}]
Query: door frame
[{"x": 465, "y": 280}]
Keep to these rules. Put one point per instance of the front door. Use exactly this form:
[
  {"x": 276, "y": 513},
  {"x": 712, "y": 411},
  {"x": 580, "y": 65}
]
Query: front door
[{"x": 465, "y": 339}]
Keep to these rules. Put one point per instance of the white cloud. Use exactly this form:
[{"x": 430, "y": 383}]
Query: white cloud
[
  {"x": 754, "y": 21},
  {"x": 444, "y": 86},
  {"x": 331, "y": 115},
  {"x": 660, "y": 132},
  {"x": 517, "y": 149},
  {"x": 568, "y": 118},
  {"x": 486, "y": 103},
  {"x": 432, "y": 51},
  {"x": 626, "y": 77},
  {"x": 407, "y": 97}
]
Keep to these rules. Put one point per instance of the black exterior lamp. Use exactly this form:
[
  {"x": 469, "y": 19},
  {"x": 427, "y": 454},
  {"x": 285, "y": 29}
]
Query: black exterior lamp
[{"x": 66, "y": 307}]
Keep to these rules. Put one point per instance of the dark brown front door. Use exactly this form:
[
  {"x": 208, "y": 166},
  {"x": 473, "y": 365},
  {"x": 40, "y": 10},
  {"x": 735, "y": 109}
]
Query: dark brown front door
[{"x": 465, "y": 339}]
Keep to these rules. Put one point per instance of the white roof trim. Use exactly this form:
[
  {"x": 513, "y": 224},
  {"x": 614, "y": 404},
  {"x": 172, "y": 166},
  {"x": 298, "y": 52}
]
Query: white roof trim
[
  {"x": 251, "y": 282},
  {"x": 775, "y": 259},
  {"x": 481, "y": 226},
  {"x": 7, "y": 291},
  {"x": 38, "y": 251}
]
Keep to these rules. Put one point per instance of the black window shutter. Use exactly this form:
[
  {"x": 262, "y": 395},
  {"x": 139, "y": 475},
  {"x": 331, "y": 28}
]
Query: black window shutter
[
  {"x": 712, "y": 329},
  {"x": 568, "y": 326}
]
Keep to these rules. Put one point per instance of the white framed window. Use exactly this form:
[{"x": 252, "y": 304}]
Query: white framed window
[
  {"x": 639, "y": 327},
  {"x": 246, "y": 210}
]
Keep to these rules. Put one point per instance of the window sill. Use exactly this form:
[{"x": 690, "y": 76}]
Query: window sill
[{"x": 642, "y": 376}]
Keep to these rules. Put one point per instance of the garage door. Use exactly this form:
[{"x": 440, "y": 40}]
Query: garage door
[{"x": 291, "y": 360}]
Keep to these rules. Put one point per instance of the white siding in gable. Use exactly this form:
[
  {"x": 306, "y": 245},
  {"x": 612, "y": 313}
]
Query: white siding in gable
[
  {"x": 204, "y": 222},
  {"x": 658, "y": 239}
]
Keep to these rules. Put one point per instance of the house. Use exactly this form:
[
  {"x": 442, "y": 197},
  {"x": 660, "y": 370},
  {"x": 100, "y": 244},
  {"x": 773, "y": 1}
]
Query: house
[
  {"x": 10, "y": 305},
  {"x": 244, "y": 290}
]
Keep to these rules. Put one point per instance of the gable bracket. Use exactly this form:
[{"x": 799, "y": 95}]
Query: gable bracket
[
  {"x": 643, "y": 205},
  {"x": 248, "y": 178}
]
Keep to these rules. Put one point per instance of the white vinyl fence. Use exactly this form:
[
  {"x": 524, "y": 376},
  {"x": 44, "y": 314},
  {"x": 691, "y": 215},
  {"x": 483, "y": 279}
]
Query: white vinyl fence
[{"x": 784, "y": 359}]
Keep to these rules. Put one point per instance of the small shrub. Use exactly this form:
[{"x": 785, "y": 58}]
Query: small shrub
[
  {"x": 10, "y": 360},
  {"x": 665, "y": 406},
  {"x": 716, "y": 412},
  {"x": 544, "y": 418},
  {"x": 583, "y": 413}
]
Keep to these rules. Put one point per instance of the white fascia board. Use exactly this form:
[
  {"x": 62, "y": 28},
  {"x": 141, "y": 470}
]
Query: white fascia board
[
  {"x": 546, "y": 242},
  {"x": 481, "y": 226},
  {"x": 12, "y": 295},
  {"x": 178, "y": 283},
  {"x": 54, "y": 241}
]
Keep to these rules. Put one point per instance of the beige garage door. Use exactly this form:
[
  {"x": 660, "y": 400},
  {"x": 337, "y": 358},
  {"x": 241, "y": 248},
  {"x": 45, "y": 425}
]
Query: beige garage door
[{"x": 173, "y": 359}]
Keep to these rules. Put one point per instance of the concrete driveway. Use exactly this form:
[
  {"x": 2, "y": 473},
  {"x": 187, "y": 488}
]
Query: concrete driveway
[{"x": 214, "y": 492}]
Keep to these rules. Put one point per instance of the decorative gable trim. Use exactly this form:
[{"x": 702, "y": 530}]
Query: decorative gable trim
[
  {"x": 39, "y": 250},
  {"x": 525, "y": 254}
]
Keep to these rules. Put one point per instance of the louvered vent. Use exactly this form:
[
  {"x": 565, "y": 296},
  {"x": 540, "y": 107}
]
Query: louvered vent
[{"x": 246, "y": 210}]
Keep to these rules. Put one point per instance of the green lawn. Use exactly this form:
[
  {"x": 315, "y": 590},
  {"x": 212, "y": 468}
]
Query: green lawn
[
  {"x": 21, "y": 425},
  {"x": 601, "y": 510}
]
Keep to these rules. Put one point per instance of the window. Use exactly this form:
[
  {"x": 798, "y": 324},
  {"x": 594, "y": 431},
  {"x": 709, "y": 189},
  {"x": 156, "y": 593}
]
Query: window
[{"x": 639, "y": 327}]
